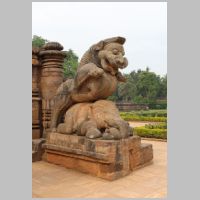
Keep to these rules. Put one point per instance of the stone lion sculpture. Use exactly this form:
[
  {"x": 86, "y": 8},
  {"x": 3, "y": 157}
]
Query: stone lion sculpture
[
  {"x": 97, "y": 73},
  {"x": 96, "y": 79}
]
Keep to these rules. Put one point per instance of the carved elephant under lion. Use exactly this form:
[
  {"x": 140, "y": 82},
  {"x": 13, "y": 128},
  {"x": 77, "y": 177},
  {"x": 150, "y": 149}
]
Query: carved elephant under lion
[{"x": 94, "y": 120}]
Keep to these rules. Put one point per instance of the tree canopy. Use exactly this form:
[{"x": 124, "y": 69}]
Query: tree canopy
[
  {"x": 70, "y": 64},
  {"x": 141, "y": 86}
]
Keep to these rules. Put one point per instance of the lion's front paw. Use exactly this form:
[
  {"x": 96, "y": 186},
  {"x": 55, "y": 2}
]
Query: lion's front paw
[{"x": 96, "y": 73}]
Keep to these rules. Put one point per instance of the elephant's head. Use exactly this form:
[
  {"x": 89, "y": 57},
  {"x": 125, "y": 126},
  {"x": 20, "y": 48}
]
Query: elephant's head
[{"x": 110, "y": 53}]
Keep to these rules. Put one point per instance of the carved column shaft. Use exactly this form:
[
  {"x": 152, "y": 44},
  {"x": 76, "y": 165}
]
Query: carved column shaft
[{"x": 52, "y": 74}]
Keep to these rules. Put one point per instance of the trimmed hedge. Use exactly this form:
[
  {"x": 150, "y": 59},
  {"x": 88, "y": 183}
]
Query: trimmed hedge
[
  {"x": 158, "y": 106},
  {"x": 147, "y": 113},
  {"x": 151, "y": 133},
  {"x": 142, "y": 118},
  {"x": 156, "y": 126},
  {"x": 152, "y": 113},
  {"x": 158, "y": 131}
]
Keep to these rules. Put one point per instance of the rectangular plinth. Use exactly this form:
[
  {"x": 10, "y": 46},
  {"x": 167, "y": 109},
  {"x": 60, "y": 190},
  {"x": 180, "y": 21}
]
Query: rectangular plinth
[{"x": 108, "y": 159}]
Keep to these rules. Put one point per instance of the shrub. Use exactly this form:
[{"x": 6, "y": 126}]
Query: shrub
[
  {"x": 142, "y": 118},
  {"x": 157, "y": 105},
  {"x": 156, "y": 126},
  {"x": 151, "y": 133},
  {"x": 151, "y": 113},
  {"x": 147, "y": 113}
]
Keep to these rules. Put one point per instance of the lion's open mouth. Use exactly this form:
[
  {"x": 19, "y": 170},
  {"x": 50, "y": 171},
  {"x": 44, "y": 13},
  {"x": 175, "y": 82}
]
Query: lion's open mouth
[{"x": 110, "y": 65}]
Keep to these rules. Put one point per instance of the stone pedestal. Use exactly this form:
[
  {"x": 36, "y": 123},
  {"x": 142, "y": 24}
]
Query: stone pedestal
[{"x": 108, "y": 159}]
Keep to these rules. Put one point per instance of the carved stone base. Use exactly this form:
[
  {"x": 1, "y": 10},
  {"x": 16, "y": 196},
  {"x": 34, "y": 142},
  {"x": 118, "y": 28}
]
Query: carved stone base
[{"x": 108, "y": 159}]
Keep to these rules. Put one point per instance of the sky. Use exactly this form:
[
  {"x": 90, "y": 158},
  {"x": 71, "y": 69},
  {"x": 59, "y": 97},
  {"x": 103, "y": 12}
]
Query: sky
[{"x": 78, "y": 25}]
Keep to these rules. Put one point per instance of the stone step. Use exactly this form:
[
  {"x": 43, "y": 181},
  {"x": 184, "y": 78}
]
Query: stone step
[{"x": 146, "y": 152}]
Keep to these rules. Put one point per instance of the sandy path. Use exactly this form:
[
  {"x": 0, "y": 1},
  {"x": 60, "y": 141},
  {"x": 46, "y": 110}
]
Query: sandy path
[{"x": 138, "y": 124}]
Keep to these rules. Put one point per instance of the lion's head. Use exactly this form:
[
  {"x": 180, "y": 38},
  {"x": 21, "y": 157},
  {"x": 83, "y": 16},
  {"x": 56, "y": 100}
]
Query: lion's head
[{"x": 107, "y": 54}]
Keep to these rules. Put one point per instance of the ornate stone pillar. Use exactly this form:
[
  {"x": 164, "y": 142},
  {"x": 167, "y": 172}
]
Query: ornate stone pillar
[
  {"x": 36, "y": 100},
  {"x": 52, "y": 74}
]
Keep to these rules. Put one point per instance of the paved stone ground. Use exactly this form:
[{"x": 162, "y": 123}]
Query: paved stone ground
[{"x": 55, "y": 181}]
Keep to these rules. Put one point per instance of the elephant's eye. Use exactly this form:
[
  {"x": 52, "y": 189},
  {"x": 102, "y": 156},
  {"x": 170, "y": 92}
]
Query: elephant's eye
[{"x": 115, "y": 51}]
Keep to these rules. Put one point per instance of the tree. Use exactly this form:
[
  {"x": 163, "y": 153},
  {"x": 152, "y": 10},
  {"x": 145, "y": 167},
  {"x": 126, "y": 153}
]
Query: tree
[
  {"x": 148, "y": 85},
  {"x": 38, "y": 41},
  {"x": 70, "y": 64},
  {"x": 163, "y": 87},
  {"x": 141, "y": 86},
  {"x": 127, "y": 90}
]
